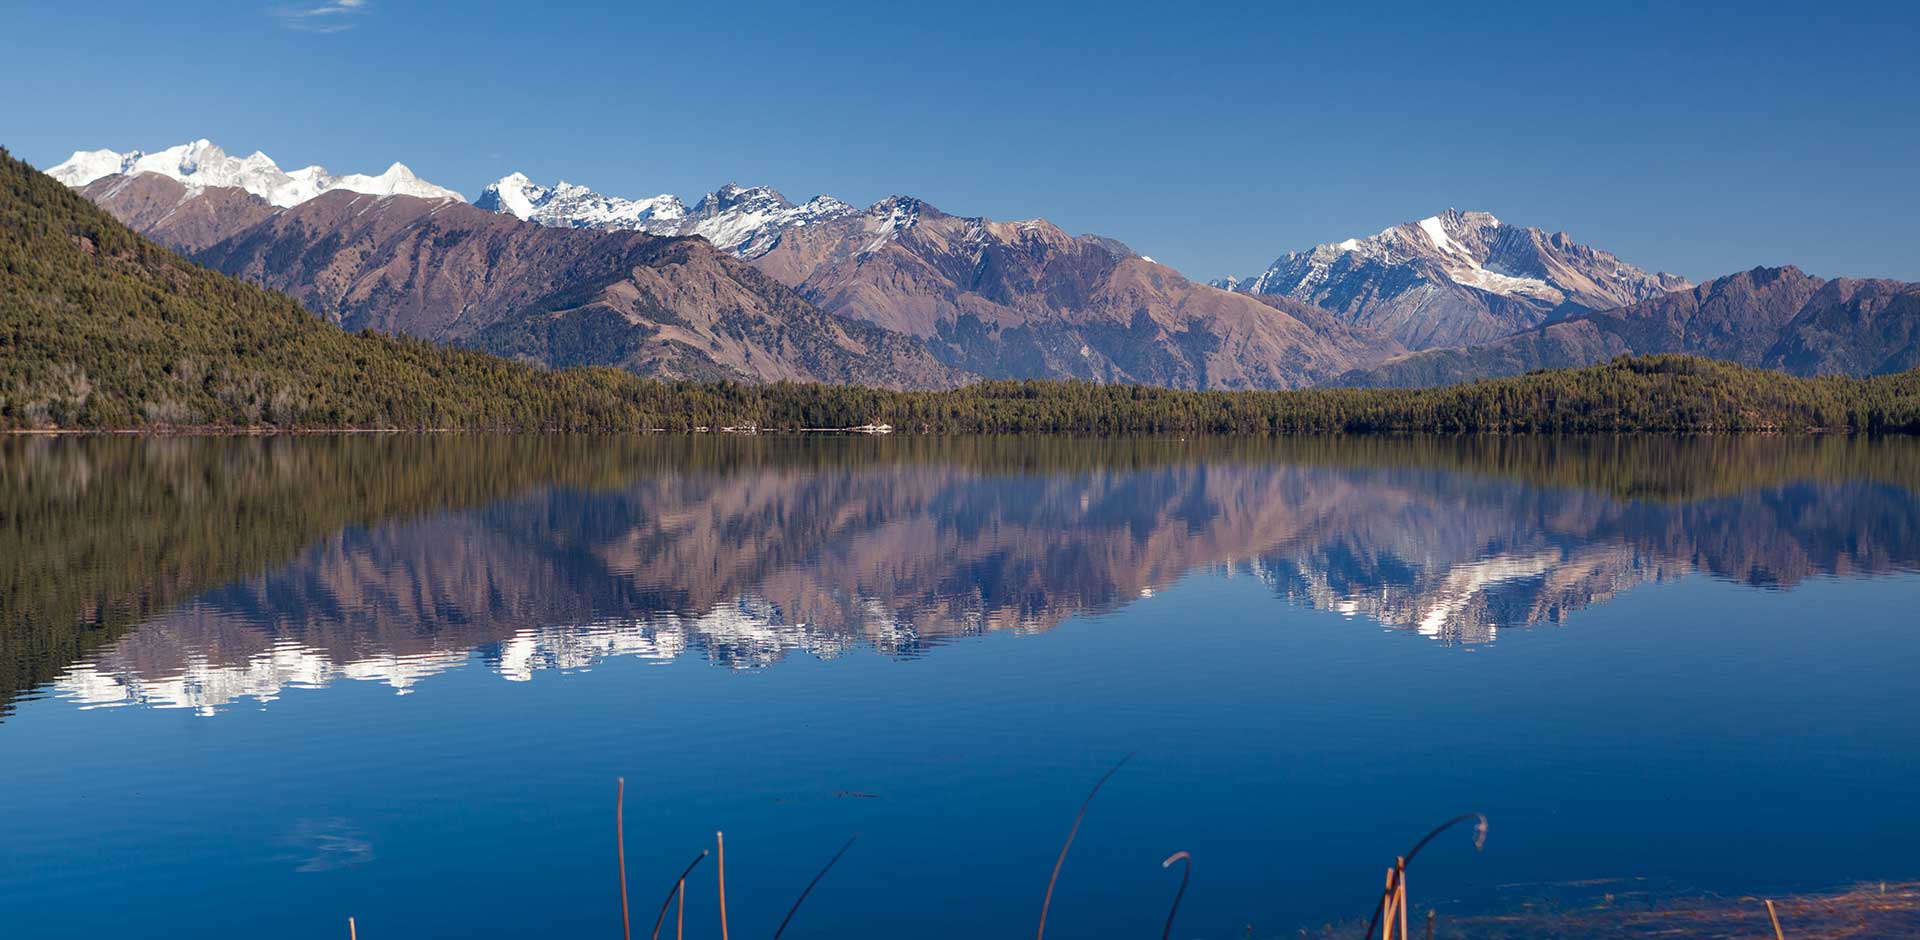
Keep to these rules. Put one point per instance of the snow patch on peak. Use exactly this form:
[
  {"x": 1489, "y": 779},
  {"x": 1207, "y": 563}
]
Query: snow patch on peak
[
  {"x": 201, "y": 164},
  {"x": 570, "y": 205},
  {"x": 85, "y": 166},
  {"x": 750, "y": 221},
  {"x": 513, "y": 194},
  {"x": 734, "y": 195},
  {"x": 888, "y": 218},
  {"x": 1404, "y": 279},
  {"x": 398, "y": 180},
  {"x": 744, "y": 220}
]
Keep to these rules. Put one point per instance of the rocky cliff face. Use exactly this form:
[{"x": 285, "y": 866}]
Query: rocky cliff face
[{"x": 1456, "y": 278}]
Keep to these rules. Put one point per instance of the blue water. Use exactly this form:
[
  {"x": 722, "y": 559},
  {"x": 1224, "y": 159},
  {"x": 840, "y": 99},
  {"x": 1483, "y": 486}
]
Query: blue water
[{"x": 416, "y": 717}]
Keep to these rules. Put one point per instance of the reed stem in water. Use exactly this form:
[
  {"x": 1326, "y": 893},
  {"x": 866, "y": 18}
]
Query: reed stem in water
[
  {"x": 720, "y": 844},
  {"x": 620, "y": 848},
  {"x": 1047, "y": 902},
  {"x": 1387, "y": 896},
  {"x": 1185, "y": 874},
  {"x": 679, "y": 889},
  {"x": 809, "y": 889}
]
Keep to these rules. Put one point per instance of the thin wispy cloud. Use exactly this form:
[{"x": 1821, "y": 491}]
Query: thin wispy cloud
[{"x": 330, "y": 16}]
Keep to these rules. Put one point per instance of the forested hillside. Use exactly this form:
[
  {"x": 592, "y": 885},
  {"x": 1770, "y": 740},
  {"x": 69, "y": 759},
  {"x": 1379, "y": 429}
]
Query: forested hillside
[
  {"x": 1648, "y": 393},
  {"x": 100, "y": 328}
]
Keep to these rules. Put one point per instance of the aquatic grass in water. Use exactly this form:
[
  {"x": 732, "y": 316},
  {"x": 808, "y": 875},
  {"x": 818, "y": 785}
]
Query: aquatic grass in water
[{"x": 1866, "y": 912}]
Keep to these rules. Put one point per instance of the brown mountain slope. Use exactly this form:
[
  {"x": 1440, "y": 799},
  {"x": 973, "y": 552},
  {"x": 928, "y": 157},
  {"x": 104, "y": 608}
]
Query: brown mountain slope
[
  {"x": 1025, "y": 299},
  {"x": 1780, "y": 318},
  {"x": 1853, "y": 327},
  {"x": 445, "y": 271},
  {"x": 165, "y": 210}
]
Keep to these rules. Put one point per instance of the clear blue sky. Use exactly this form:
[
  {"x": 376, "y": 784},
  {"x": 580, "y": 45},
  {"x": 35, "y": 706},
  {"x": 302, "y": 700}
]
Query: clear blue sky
[{"x": 1694, "y": 138}]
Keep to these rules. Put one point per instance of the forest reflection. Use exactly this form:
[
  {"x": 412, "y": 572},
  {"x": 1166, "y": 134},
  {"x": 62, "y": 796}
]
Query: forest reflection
[{"x": 194, "y": 572}]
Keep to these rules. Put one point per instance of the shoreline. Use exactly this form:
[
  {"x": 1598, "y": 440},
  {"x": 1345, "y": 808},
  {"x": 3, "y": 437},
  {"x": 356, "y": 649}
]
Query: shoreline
[
  {"x": 271, "y": 431},
  {"x": 1857, "y": 911}
]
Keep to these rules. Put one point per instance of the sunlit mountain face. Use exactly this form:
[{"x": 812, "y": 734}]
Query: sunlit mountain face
[{"x": 200, "y": 574}]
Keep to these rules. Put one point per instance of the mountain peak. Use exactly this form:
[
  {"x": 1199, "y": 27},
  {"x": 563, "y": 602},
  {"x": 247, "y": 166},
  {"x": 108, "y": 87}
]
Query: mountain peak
[
  {"x": 1460, "y": 276},
  {"x": 732, "y": 195},
  {"x": 571, "y": 205}
]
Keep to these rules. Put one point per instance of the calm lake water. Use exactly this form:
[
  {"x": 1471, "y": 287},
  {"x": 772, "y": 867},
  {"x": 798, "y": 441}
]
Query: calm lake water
[{"x": 251, "y": 687}]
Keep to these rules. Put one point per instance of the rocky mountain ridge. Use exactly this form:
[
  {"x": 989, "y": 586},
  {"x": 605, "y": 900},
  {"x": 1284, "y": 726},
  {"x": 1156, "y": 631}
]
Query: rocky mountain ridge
[{"x": 1456, "y": 278}]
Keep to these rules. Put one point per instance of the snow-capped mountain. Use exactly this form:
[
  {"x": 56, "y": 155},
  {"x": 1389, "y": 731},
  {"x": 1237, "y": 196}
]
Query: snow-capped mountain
[
  {"x": 1454, "y": 278},
  {"x": 747, "y": 221},
  {"x": 565, "y": 205},
  {"x": 203, "y": 165}
]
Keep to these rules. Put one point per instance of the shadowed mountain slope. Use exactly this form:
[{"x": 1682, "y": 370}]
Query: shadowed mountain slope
[{"x": 1778, "y": 318}]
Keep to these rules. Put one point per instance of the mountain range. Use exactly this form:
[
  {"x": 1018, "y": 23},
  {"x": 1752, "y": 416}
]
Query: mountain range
[
  {"x": 203, "y": 165},
  {"x": 443, "y": 270},
  {"x": 747, "y": 284},
  {"x": 993, "y": 299}
]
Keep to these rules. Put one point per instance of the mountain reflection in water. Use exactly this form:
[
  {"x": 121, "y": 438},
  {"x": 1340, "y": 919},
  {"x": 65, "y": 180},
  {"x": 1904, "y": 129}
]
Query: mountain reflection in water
[{"x": 197, "y": 573}]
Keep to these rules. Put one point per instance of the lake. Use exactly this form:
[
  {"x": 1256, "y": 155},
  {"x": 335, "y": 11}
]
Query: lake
[{"x": 254, "y": 686}]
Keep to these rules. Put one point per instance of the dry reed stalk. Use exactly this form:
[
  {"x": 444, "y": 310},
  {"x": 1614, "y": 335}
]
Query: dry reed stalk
[
  {"x": 720, "y": 843},
  {"x": 680, "y": 916},
  {"x": 809, "y": 889},
  {"x": 1401, "y": 866},
  {"x": 1047, "y": 902},
  {"x": 679, "y": 890},
  {"x": 620, "y": 848},
  {"x": 353, "y": 933},
  {"x": 1387, "y": 896},
  {"x": 1777, "y": 935},
  {"x": 1186, "y": 873}
]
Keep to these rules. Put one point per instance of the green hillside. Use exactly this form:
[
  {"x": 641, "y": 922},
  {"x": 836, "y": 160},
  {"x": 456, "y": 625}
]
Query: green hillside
[{"x": 100, "y": 328}]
